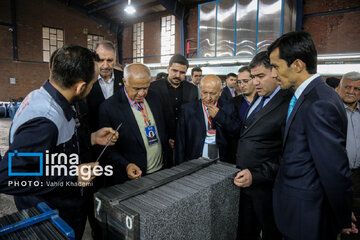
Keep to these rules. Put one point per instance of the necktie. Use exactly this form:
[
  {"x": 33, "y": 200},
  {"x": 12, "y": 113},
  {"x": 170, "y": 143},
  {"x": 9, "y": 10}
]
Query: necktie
[
  {"x": 256, "y": 110},
  {"x": 291, "y": 106}
]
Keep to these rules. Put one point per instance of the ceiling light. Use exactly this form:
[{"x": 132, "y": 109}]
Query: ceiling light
[{"x": 130, "y": 9}]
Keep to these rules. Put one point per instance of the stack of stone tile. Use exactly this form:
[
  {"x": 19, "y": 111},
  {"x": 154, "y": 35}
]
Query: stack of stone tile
[{"x": 194, "y": 200}]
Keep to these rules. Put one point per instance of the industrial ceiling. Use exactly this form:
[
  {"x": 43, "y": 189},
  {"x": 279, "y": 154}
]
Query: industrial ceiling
[{"x": 111, "y": 12}]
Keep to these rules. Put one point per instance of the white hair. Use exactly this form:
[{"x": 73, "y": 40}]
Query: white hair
[{"x": 128, "y": 72}]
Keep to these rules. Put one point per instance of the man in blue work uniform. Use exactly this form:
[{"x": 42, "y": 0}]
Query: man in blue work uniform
[{"x": 45, "y": 125}]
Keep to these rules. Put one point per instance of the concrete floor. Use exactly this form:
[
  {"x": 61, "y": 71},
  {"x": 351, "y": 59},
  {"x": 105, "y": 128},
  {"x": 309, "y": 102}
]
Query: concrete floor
[{"x": 7, "y": 205}]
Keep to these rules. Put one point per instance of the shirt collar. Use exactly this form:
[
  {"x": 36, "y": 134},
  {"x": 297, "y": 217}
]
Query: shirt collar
[
  {"x": 356, "y": 108},
  {"x": 60, "y": 99},
  {"x": 274, "y": 92},
  {"x": 302, "y": 86},
  {"x": 110, "y": 80},
  {"x": 231, "y": 89}
]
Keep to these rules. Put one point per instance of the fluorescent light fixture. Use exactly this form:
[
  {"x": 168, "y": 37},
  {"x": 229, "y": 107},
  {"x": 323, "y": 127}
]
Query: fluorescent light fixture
[{"x": 130, "y": 9}]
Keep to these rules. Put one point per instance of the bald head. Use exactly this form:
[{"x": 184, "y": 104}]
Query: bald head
[
  {"x": 137, "y": 81},
  {"x": 210, "y": 89},
  {"x": 211, "y": 80},
  {"x": 136, "y": 70}
]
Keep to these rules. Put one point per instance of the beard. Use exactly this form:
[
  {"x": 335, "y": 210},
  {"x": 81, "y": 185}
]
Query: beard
[{"x": 79, "y": 97}]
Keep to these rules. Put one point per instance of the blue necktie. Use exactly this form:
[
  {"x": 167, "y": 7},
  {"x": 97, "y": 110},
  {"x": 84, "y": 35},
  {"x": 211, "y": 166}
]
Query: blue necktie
[
  {"x": 255, "y": 111},
  {"x": 291, "y": 106}
]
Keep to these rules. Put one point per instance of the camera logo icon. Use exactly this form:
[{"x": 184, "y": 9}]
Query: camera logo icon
[{"x": 12, "y": 157}]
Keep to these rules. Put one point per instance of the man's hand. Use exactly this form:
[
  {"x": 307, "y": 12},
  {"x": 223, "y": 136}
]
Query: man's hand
[
  {"x": 133, "y": 171},
  {"x": 353, "y": 228},
  {"x": 243, "y": 178},
  {"x": 172, "y": 143},
  {"x": 103, "y": 135},
  {"x": 86, "y": 173},
  {"x": 213, "y": 110}
]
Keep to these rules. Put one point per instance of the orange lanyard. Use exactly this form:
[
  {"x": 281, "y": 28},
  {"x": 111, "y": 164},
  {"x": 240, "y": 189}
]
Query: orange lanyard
[
  {"x": 207, "y": 115},
  {"x": 145, "y": 115}
]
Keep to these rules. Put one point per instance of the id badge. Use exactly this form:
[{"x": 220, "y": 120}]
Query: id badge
[
  {"x": 210, "y": 137},
  {"x": 151, "y": 135}
]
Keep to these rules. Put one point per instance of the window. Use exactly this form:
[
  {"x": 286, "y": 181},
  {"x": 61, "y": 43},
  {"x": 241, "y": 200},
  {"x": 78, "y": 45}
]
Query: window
[
  {"x": 138, "y": 42},
  {"x": 167, "y": 38},
  {"x": 92, "y": 40},
  {"x": 53, "y": 39}
]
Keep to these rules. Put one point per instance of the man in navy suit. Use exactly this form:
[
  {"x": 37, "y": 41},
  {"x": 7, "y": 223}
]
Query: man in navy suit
[
  {"x": 198, "y": 134},
  {"x": 312, "y": 191},
  {"x": 229, "y": 91},
  {"x": 142, "y": 147}
]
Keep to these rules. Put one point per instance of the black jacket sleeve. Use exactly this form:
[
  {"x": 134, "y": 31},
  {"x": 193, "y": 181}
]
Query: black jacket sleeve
[{"x": 34, "y": 136}]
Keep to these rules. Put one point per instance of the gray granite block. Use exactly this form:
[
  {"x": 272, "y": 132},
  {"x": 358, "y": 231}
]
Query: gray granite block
[{"x": 202, "y": 205}]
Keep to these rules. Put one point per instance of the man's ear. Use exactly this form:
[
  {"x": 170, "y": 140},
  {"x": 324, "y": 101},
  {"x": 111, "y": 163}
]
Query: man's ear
[
  {"x": 298, "y": 66},
  {"x": 79, "y": 87},
  {"x": 168, "y": 69}
]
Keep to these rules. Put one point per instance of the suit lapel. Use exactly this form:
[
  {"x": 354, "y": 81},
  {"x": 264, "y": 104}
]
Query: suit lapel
[
  {"x": 200, "y": 115},
  {"x": 247, "y": 111},
  {"x": 315, "y": 82},
  {"x": 270, "y": 106},
  {"x": 226, "y": 92},
  {"x": 130, "y": 119},
  {"x": 117, "y": 80},
  {"x": 98, "y": 92}
]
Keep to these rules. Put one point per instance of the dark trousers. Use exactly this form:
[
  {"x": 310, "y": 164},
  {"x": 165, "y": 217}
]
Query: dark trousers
[
  {"x": 355, "y": 175},
  {"x": 256, "y": 214}
]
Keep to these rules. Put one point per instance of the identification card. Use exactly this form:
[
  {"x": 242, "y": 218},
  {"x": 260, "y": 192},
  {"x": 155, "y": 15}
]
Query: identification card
[
  {"x": 210, "y": 137},
  {"x": 151, "y": 135}
]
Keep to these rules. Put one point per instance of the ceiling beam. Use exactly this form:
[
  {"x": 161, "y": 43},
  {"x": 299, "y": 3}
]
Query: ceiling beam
[
  {"x": 147, "y": 18},
  {"x": 111, "y": 25},
  {"x": 174, "y": 7},
  {"x": 148, "y": 5},
  {"x": 106, "y": 5}
]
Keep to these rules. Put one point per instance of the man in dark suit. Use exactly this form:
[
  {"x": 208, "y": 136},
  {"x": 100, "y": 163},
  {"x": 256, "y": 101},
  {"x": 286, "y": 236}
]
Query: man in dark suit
[
  {"x": 173, "y": 92},
  {"x": 109, "y": 81},
  {"x": 259, "y": 151},
  {"x": 142, "y": 147},
  {"x": 198, "y": 134},
  {"x": 229, "y": 91},
  {"x": 312, "y": 191},
  {"x": 241, "y": 104}
]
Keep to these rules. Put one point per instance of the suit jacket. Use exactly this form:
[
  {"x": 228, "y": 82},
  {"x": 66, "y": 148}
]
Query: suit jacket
[
  {"x": 190, "y": 93},
  {"x": 191, "y": 133},
  {"x": 312, "y": 192},
  {"x": 260, "y": 144},
  {"x": 130, "y": 147},
  {"x": 238, "y": 102},
  {"x": 225, "y": 96},
  {"x": 96, "y": 97}
]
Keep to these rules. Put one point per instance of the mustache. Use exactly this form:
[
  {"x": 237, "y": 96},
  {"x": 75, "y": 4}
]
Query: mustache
[{"x": 177, "y": 78}]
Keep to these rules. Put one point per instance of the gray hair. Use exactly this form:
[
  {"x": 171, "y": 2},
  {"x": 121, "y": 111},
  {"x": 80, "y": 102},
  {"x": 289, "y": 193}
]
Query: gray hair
[
  {"x": 128, "y": 72},
  {"x": 106, "y": 44},
  {"x": 353, "y": 76}
]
